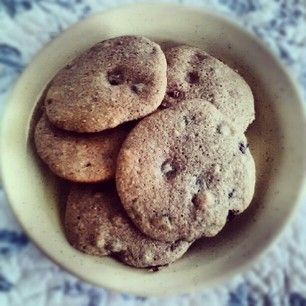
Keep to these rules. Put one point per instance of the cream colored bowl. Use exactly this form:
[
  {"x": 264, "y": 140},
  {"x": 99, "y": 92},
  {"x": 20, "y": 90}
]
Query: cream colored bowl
[{"x": 277, "y": 139}]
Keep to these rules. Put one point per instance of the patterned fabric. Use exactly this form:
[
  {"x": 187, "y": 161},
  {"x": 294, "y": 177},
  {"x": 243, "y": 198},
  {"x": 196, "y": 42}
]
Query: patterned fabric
[{"x": 28, "y": 278}]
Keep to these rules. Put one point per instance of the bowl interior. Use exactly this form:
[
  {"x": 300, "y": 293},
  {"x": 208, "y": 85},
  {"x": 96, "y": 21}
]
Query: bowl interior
[{"x": 37, "y": 198}]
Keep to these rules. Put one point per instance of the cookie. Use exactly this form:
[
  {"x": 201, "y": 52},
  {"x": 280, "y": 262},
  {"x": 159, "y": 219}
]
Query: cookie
[
  {"x": 182, "y": 169},
  {"x": 97, "y": 224},
  {"x": 115, "y": 81},
  {"x": 79, "y": 157},
  {"x": 192, "y": 74}
]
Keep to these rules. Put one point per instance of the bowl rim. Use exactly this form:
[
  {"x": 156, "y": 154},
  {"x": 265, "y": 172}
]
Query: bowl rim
[{"x": 269, "y": 243}]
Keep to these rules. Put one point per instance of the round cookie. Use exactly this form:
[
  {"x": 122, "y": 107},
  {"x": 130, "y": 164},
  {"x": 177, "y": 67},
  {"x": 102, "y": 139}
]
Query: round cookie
[
  {"x": 193, "y": 74},
  {"x": 182, "y": 169},
  {"x": 96, "y": 224},
  {"x": 115, "y": 81},
  {"x": 79, "y": 157}
]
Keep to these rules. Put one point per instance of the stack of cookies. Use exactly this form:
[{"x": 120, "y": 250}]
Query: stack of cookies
[{"x": 153, "y": 144}]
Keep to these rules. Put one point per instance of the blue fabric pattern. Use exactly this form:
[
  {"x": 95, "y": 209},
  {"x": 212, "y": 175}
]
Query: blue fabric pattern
[
  {"x": 5, "y": 285},
  {"x": 11, "y": 241},
  {"x": 296, "y": 299}
]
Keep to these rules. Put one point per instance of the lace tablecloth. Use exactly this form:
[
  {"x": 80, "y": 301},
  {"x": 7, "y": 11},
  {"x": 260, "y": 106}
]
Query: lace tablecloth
[{"x": 28, "y": 278}]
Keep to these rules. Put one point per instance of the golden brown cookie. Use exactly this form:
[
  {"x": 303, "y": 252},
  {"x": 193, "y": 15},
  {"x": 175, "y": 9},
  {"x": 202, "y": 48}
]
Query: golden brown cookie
[
  {"x": 193, "y": 73},
  {"x": 182, "y": 169},
  {"x": 97, "y": 224},
  {"x": 115, "y": 81},
  {"x": 79, "y": 157}
]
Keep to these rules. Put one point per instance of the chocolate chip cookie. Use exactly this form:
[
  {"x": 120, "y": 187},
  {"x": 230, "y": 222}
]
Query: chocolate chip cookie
[
  {"x": 115, "y": 81},
  {"x": 79, "y": 157},
  {"x": 97, "y": 224},
  {"x": 193, "y": 73},
  {"x": 182, "y": 169}
]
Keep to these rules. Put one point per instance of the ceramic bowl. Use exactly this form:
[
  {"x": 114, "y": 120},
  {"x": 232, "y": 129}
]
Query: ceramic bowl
[{"x": 275, "y": 140}]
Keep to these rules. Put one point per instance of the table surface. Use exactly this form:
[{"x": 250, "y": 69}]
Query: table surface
[{"x": 27, "y": 277}]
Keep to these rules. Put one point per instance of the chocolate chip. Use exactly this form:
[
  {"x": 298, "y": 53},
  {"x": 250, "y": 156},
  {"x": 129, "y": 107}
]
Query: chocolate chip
[
  {"x": 137, "y": 88},
  {"x": 210, "y": 97},
  {"x": 175, "y": 94},
  {"x": 115, "y": 246},
  {"x": 200, "y": 57},
  {"x": 49, "y": 101},
  {"x": 174, "y": 245},
  {"x": 88, "y": 165},
  {"x": 192, "y": 77},
  {"x": 232, "y": 214},
  {"x": 200, "y": 182},
  {"x": 154, "y": 268},
  {"x": 115, "y": 77},
  {"x": 168, "y": 169},
  {"x": 223, "y": 129},
  {"x": 134, "y": 200},
  {"x": 210, "y": 179},
  {"x": 232, "y": 193},
  {"x": 202, "y": 199},
  {"x": 91, "y": 239},
  {"x": 219, "y": 127},
  {"x": 186, "y": 120},
  {"x": 243, "y": 147}
]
